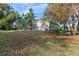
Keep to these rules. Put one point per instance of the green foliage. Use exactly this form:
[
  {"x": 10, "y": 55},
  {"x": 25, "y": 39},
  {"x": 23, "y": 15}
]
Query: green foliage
[
  {"x": 30, "y": 17},
  {"x": 46, "y": 30},
  {"x": 1, "y": 14},
  {"x": 59, "y": 31},
  {"x": 7, "y": 17},
  {"x": 21, "y": 22},
  {"x": 8, "y": 21},
  {"x": 25, "y": 20}
]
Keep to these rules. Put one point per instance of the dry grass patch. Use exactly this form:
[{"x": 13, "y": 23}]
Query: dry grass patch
[{"x": 37, "y": 43}]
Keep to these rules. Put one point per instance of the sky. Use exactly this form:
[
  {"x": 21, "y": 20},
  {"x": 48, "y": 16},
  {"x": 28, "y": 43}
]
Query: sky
[{"x": 38, "y": 8}]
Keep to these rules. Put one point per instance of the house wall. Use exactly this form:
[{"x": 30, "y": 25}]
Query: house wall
[
  {"x": 53, "y": 27},
  {"x": 41, "y": 26}
]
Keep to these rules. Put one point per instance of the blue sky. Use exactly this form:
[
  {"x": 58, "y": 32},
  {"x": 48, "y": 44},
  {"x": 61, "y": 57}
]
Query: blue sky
[{"x": 38, "y": 8}]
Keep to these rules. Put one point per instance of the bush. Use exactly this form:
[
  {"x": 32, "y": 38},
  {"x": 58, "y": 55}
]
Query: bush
[
  {"x": 46, "y": 30},
  {"x": 60, "y": 31}
]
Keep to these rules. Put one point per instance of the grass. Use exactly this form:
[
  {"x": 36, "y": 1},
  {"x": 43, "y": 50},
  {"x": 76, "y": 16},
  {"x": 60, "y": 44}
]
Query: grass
[{"x": 35, "y": 43}]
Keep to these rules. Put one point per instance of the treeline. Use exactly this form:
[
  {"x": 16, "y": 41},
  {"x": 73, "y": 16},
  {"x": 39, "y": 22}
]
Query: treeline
[
  {"x": 55, "y": 13},
  {"x": 11, "y": 19},
  {"x": 25, "y": 21}
]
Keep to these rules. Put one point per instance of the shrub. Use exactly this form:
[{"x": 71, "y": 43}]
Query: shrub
[
  {"x": 59, "y": 31},
  {"x": 46, "y": 30}
]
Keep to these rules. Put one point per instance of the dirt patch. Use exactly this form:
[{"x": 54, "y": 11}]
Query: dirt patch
[
  {"x": 69, "y": 37},
  {"x": 63, "y": 37}
]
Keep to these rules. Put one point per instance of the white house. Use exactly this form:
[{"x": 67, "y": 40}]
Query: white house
[{"x": 41, "y": 25}]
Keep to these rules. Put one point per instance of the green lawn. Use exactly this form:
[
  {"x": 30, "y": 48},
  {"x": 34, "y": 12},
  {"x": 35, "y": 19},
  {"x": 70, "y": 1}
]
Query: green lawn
[{"x": 35, "y": 43}]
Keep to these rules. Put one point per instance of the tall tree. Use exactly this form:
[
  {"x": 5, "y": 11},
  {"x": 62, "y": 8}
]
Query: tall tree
[
  {"x": 60, "y": 12},
  {"x": 21, "y": 22},
  {"x": 31, "y": 17},
  {"x": 7, "y": 16}
]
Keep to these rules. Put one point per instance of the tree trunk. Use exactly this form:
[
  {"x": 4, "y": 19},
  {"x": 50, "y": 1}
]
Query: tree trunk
[
  {"x": 73, "y": 27},
  {"x": 31, "y": 27},
  {"x": 64, "y": 27},
  {"x": 73, "y": 30}
]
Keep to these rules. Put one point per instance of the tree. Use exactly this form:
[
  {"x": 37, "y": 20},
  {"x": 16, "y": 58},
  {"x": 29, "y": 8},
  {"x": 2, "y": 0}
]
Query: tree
[
  {"x": 46, "y": 16},
  {"x": 7, "y": 16},
  {"x": 7, "y": 22},
  {"x": 31, "y": 17},
  {"x": 60, "y": 12},
  {"x": 21, "y": 22}
]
